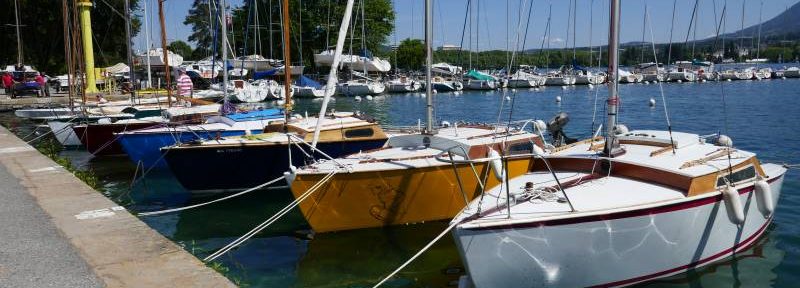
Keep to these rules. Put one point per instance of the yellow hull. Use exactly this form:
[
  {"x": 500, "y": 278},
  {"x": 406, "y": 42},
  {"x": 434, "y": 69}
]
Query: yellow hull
[{"x": 391, "y": 197}]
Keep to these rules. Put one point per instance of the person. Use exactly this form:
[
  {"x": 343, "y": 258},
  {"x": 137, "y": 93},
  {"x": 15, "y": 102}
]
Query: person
[
  {"x": 8, "y": 82},
  {"x": 101, "y": 99},
  {"x": 40, "y": 80},
  {"x": 185, "y": 84}
]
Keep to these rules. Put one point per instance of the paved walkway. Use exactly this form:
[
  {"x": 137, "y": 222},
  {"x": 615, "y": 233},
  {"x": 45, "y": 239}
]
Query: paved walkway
[{"x": 55, "y": 231}]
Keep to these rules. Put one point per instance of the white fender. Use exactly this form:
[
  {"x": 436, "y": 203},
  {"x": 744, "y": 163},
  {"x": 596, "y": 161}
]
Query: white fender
[
  {"x": 735, "y": 210},
  {"x": 764, "y": 197},
  {"x": 497, "y": 164}
]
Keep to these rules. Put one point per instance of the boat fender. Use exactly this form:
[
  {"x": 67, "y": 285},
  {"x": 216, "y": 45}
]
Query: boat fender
[
  {"x": 734, "y": 205},
  {"x": 497, "y": 164},
  {"x": 764, "y": 196},
  {"x": 290, "y": 175}
]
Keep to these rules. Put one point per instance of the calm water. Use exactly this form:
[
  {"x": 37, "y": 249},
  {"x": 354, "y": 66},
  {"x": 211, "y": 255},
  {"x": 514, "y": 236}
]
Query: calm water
[{"x": 760, "y": 116}]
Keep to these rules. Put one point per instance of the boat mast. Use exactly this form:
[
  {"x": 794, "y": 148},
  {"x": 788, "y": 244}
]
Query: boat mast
[
  {"x": 131, "y": 77},
  {"x": 164, "y": 51},
  {"x": 147, "y": 44},
  {"x": 287, "y": 71},
  {"x": 428, "y": 63},
  {"x": 224, "y": 26},
  {"x": 19, "y": 40},
  {"x": 330, "y": 86},
  {"x": 364, "y": 39},
  {"x": 612, "y": 145}
]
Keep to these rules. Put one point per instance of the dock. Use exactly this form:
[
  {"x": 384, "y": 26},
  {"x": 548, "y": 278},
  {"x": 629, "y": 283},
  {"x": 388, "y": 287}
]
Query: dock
[{"x": 59, "y": 232}]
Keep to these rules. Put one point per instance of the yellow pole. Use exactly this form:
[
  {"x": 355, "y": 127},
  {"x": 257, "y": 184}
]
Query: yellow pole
[{"x": 85, "y": 7}]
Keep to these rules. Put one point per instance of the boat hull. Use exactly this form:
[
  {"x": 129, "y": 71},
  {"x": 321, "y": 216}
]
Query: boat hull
[
  {"x": 522, "y": 83},
  {"x": 614, "y": 249},
  {"x": 64, "y": 133},
  {"x": 99, "y": 139},
  {"x": 391, "y": 197},
  {"x": 145, "y": 148},
  {"x": 481, "y": 85},
  {"x": 243, "y": 167}
]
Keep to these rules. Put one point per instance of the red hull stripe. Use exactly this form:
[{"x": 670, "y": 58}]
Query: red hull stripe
[
  {"x": 741, "y": 246},
  {"x": 623, "y": 214}
]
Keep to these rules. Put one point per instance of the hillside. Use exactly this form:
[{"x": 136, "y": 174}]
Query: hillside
[{"x": 784, "y": 24}]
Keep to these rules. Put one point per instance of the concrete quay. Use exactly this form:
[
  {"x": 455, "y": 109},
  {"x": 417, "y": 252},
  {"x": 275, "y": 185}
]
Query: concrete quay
[{"x": 59, "y": 232}]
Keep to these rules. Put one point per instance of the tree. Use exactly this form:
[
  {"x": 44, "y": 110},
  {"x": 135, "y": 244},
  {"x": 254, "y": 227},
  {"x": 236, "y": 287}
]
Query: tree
[
  {"x": 410, "y": 54},
  {"x": 316, "y": 34},
  {"x": 181, "y": 48},
  {"x": 202, "y": 36},
  {"x": 43, "y": 38}
]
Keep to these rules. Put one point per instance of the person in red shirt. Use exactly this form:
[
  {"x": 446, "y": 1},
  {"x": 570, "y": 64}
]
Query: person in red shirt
[
  {"x": 40, "y": 80},
  {"x": 8, "y": 82}
]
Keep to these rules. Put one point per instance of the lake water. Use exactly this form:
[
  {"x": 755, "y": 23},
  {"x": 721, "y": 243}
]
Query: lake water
[{"x": 760, "y": 116}]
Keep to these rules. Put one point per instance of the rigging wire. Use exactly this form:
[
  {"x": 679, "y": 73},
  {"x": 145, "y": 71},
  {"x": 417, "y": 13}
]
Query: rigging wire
[{"x": 660, "y": 85}]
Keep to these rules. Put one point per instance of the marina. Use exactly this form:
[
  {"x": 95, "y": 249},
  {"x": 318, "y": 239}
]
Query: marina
[{"x": 274, "y": 153}]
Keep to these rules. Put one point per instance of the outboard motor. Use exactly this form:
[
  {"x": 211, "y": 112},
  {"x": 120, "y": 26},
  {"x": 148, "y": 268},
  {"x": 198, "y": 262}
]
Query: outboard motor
[{"x": 556, "y": 128}]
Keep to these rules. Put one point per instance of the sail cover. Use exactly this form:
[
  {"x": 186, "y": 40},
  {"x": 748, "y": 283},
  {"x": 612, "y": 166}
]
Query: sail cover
[
  {"x": 264, "y": 74},
  {"x": 304, "y": 81},
  {"x": 474, "y": 74}
]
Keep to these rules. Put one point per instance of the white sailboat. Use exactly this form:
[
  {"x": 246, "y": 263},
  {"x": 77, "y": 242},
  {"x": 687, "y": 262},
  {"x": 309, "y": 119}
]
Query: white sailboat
[
  {"x": 403, "y": 84},
  {"x": 634, "y": 207},
  {"x": 521, "y": 79},
  {"x": 155, "y": 56}
]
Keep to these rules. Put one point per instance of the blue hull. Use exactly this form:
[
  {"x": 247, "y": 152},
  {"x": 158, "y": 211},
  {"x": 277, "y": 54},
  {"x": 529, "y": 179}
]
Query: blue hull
[
  {"x": 146, "y": 148},
  {"x": 215, "y": 169}
]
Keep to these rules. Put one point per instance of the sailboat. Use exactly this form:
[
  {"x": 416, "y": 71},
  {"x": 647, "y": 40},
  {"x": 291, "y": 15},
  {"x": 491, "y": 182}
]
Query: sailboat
[
  {"x": 239, "y": 162},
  {"x": 307, "y": 88},
  {"x": 156, "y": 57},
  {"x": 476, "y": 80},
  {"x": 638, "y": 206},
  {"x": 404, "y": 181},
  {"x": 522, "y": 79},
  {"x": 403, "y": 84}
]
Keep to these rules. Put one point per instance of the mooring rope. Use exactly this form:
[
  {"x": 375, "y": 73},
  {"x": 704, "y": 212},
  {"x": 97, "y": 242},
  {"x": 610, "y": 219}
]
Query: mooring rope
[
  {"x": 212, "y": 201},
  {"x": 270, "y": 220},
  {"x": 430, "y": 244}
]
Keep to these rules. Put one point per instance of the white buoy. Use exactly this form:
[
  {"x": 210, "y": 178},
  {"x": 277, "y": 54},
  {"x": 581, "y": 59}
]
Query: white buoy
[
  {"x": 563, "y": 87},
  {"x": 369, "y": 97},
  {"x": 764, "y": 196},
  {"x": 434, "y": 91},
  {"x": 680, "y": 81},
  {"x": 652, "y": 102},
  {"x": 497, "y": 164},
  {"x": 537, "y": 88},
  {"x": 358, "y": 98},
  {"x": 591, "y": 86},
  {"x": 646, "y": 82},
  {"x": 734, "y": 205},
  {"x": 729, "y": 80},
  {"x": 702, "y": 80},
  {"x": 514, "y": 90},
  {"x": 783, "y": 77},
  {"x": 508, "y": 98},
  {"x": 558, "y": 99}
]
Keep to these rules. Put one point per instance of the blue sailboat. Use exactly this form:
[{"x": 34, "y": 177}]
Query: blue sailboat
[{"x": 143, "y": 146}]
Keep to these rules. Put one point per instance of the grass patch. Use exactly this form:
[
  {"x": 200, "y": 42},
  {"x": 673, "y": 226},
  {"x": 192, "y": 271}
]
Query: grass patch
[{"x": 51, "y": 148}]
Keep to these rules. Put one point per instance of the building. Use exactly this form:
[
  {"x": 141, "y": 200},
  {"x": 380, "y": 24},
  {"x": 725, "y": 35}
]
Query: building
[{"x": 448, "y": 47}]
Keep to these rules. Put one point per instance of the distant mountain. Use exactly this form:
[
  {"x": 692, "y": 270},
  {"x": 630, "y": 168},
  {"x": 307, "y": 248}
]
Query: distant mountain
[{"x": 784, "y": 24}]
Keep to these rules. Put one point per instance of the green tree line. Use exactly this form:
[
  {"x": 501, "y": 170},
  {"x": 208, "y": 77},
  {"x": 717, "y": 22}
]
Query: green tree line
[{"x": 42, "y": 36}]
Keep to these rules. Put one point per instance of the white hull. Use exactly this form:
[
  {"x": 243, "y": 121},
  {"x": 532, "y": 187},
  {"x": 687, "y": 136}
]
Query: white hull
[
  {"x": 522, "y": 83},
  {"x": 682, "y": 76},
  {"x": 46, "y": 113},
  {"x": 559, "y": 80},
  {"x": 445, "y": 86},
  {"x": 792, "y": 73},
  {"x": 360, "y": 89},
  {"x": 355, "y": 62},
  {"x": 660, "y": 77},
  {"x": 308, "y": 92},
  {"x": 64, "y": 133},
  {"x": 589, "y": 79},
  {"x": 156, "y": 57},
  {"x": 613, "y": 249},
  {"x": 481, "y": 85}
]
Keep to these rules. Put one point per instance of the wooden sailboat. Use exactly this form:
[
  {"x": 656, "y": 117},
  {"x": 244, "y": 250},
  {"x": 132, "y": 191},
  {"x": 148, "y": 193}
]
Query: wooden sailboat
[
  {"x": 637, "y": 206},
  {"x": 403, "y": 181}
]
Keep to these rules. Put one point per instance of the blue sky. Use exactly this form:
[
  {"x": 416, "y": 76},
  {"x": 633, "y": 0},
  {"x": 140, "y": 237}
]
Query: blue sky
[{"x": 497, "y": 30}]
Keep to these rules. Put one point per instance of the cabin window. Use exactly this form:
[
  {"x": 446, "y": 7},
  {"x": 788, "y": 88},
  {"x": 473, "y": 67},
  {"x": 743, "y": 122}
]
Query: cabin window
[
  {"x": 520, "y": 148},
  {"x": 738, "y": 176},
  {"x": 359, "y": 133}
]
